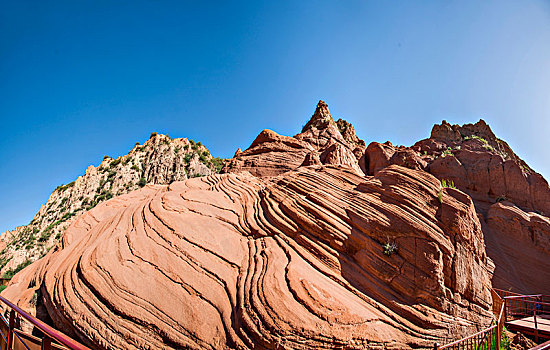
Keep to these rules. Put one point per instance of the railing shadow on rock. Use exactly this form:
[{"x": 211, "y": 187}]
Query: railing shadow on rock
[{"x": 13, "y": 338}]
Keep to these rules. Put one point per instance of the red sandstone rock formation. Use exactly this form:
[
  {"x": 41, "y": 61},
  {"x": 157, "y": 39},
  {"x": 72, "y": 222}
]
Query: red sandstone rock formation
[
  {"x": 484, "y": 167},
  {"x": 296, "y": 247},
  {"x": 320, "y": 142},
  {"x": 246, "y": 262}
]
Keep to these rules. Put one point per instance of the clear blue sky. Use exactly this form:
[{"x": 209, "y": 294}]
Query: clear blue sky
[{"x": 83, "y": 79}]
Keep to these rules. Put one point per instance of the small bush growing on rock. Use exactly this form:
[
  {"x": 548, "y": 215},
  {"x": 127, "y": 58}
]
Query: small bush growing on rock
[
  {"x": 34, "y": 299},
  {"x": 475, "y": 137},
  {"x": 389, "y": 248},
  {"x": 448, "y": 183},
  {"x": 64, "y": 187},
  {"x": 44, "y": 236},
  {"x": 105, "y": 195},
  {"x": 135, "y": 167},
  {"x": 142, "y": 182},
  {"x": 153, "y": 134},
  {"x": 525, "y": 168},
  {"x": 3, "y": 260},
  {"x": 217, "y": 164},
  {"x": 447, "y": 152},
  {"x": 44, "y": 252},
  {"x": 114, "y": 163},
  {"x": 67, "y": 216}
]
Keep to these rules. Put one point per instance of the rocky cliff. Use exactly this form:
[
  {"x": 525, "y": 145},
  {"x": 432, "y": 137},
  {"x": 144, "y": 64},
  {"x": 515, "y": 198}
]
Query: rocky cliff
[
  {"x": 511, "y": 199},
  {"x": 310, "y": 241},
  {"x": 160, "y": 160}
]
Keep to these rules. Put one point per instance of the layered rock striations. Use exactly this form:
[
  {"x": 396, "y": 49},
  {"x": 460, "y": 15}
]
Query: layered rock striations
[
  {"x": 512, "y": 200},
  {"x": 311, "y": 241},
  {"x": 245, "y": 262},
  {"x": 160, "y": 160}
]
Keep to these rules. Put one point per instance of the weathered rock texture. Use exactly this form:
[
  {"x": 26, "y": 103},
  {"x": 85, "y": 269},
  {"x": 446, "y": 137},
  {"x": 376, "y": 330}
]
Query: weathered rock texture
[
  {"x": 160, "y": 160},
  {"x": 512, "y": 200},
  {"x": 311, "y": 241},
  {"x": 320, "y": 142},
  {"x": 295, "y": 260}
]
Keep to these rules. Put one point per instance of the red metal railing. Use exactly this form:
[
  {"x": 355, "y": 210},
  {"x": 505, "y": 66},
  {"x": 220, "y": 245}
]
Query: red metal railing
[
  {"x": 543, "y": 346},
  {"x": 13, "y": 338},
  {"x": 524, "y": 312},
  {"x": 487, "y": 339}
]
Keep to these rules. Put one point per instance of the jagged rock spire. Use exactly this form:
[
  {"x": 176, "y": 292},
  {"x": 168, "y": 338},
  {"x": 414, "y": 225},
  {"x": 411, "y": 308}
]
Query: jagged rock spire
[{"x": 321, "y": 118}]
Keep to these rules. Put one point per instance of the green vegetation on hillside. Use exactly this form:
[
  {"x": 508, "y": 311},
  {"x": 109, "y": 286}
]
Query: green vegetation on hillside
[
  {"x": 11, "y": 272},
  {"x": 35, "y": 239},
  {"x": 62, "y": 187}
]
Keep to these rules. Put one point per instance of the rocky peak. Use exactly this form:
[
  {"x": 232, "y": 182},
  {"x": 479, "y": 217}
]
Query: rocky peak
[
  {"x": 321, "y": 118},
  {"x": 322, "y": 141},
  {"x": 455, "y": 133},
  {"x": 446, "y": 132},
  {"x": 476, "y": 137},
  {"x": 348, "y": 132}
]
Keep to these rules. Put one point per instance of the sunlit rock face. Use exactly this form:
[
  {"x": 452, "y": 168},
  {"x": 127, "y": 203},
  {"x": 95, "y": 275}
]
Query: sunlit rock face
[
  {"x": 322, "y": 141},
  {"x": 297, "y": 260},
  {"x": 511, "y": 199},
  {"x": 305, "y": 242}
]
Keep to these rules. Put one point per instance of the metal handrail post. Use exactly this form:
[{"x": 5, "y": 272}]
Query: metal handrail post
[
  {"x": 499, "y": 334},
  {"x": 536, "y": 327},
  {"x": 46, "y": 343},
  {"x": 11, "y": 327},
  {"x": 505, "y": 310}
]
